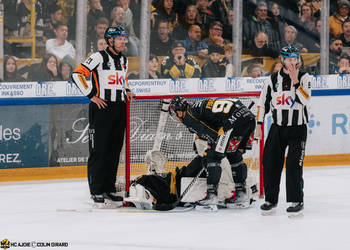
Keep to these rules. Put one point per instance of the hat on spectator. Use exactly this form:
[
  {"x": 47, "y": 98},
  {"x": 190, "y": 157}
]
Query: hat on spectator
[
  {"x": 344, "y": 2},
  {"x": 216, "y": 49},
  {"x": 177, "y": 44},
  {"x": 202, "y": 45}
]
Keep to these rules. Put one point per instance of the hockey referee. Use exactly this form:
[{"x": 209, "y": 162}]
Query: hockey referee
[
  {"x": 287, "y": 95},
  {"x": 108, "y": 92}
]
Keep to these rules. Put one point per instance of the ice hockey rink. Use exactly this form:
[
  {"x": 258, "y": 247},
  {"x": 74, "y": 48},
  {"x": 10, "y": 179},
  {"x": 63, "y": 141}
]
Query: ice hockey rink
[{"x": 28, "y": 213}]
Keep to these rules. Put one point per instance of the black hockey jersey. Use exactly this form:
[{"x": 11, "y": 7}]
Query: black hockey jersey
[{"x": 210, "y": 118}]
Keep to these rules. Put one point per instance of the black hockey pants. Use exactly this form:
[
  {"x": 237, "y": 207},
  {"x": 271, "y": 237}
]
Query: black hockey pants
[
  {"x": 106, "y": 136},
  {"x": 273, "y": 160}
]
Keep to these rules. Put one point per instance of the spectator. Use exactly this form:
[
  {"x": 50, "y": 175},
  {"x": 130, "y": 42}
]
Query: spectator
[
  {"x": 129, "y": 25},
  {"x": 10, "y": 70},
  {"x": 100, "y": 28},
  {"x": 55, "y": 17},
  {"x": 152, "y": 69},
  {"x": 258, "y": 23},
  {"x": 289, "y": 10},
  {"x": 118, "y": 19},
  {"x": 307, "y": 24},
  {"x": 345, "y": 36},
  {"x": 314, "y": 47},
  {"x": 101, "y": 44},
  {"x": 95, "y": 12},
  {"x": 227, "y": 27},
  {"x": 307, "y": 20},
  {"x": 215, "y": 35},
  {"x": 10, "y": 18},
  {"x": 162, "y": 41},
  {"x": 214, "y": 67},
  {"x": 344, "y": 65},
  {"x": 24, "y": 17},
  {"x": 254, "y": 70},
  {"x": 65, "y": 68},
  {"x": 335, "y": 50},
  {"x": 72, "y": 23},
  {"x": 336, "y": 20},
  {"x": 221, "y": 10},
  {"x": 276, "y": 67},
  {"x": 177, "y": 65},
  {"x": 193, "y": 44},
  {"x": 68, "y": 10},
  {"x": 165, "y": 11},
  {"x": 45, "y": 71},
  {"x": 135, "y": 7},
  {"x": 191, "y": 17},
  {"x": 228, "y": 48},
  {"x": 207, "y": 17},
  {"x": 290, "y": 35},
  {"x": 179, "y": 5},
  {"x": 59, "y": 46},
  {"x": 259, "y": 47},
  {"x": 278, "y": 23},
  {"x": 316, "y": 8}
]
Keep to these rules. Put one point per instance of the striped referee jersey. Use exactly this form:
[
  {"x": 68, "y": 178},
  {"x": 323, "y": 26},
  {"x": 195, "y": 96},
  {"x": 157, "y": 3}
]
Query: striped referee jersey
[
  {"x": 289, "y": 104},
  {"x": 109, "y": 76}
]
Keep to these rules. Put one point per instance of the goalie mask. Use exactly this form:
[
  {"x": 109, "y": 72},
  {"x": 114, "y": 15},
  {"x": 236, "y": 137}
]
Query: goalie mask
[{"x": 178, "y": 103}]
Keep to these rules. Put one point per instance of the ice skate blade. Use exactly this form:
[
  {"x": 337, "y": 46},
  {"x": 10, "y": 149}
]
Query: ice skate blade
[
  {"x": 272, "y": 211},
  {"x": 207, "y": 208},
  {"x": 240, "y": 205},
  {"x": 107, "y": 205},
  {"x": 299, "y": 214}
]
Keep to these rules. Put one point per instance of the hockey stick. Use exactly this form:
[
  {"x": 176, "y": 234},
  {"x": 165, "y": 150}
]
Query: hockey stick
[{"x": 165, "y": 207}]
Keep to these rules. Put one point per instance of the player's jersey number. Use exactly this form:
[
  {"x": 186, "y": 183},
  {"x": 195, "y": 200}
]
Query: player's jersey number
[{"x": 223, "y": 106}]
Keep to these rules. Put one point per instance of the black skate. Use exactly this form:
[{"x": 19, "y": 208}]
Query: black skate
[
  {"x": 113, "y": 197},
  {"x": 268, "y": 208},
  {"x": 295, "y": 210}
]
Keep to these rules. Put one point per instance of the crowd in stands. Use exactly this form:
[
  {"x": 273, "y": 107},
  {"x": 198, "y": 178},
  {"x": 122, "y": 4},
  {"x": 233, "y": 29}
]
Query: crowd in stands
[{"x": 183, "y": 33}]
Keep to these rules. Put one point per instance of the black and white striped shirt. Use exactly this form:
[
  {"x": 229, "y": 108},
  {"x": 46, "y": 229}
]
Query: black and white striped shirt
[
  {"x": 109, "y": 76},
  {"x": 289, "y": 104}
]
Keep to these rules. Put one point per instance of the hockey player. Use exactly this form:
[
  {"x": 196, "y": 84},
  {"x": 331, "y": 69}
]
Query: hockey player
[
  {"x": 219, "y": 122},
  {"x": 287, "y": 94}
]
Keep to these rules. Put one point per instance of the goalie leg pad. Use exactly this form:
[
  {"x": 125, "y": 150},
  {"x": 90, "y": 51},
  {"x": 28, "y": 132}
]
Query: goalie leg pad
[{"x": 140, "y": 197}]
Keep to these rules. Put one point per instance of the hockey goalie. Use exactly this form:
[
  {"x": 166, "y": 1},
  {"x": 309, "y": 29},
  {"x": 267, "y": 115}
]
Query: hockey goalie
[{"x": 160, "y": 190}]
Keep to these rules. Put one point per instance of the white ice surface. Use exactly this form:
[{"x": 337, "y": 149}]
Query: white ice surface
[{"x": 28, "y": 213}]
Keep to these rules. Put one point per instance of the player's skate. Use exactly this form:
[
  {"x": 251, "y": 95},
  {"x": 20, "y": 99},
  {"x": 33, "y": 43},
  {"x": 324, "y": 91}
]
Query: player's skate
[
  {"x": 295, "y": 210},
  {"x": 106, "y": 201},
  {"x": 268, "y": 208},
  {"x": 239, "y": 199},
  {"x": 210, "y": 202}
]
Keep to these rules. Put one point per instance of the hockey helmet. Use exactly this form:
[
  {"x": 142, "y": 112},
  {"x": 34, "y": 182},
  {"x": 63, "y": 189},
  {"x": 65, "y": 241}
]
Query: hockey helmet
[
  {"x": 290, "y": 52},
  {"x": 178, "y": 103},
  {"x": 114, "y": 31}
]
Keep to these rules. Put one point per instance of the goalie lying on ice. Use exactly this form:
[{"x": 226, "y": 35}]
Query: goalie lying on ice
[{"x": 160, "y": 190}]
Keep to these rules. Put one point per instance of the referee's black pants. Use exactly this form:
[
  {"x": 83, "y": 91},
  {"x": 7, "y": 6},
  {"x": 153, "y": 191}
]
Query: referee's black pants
[
  {"x": 278, "y": 139},
  {"x": 106, "y": 136}
]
